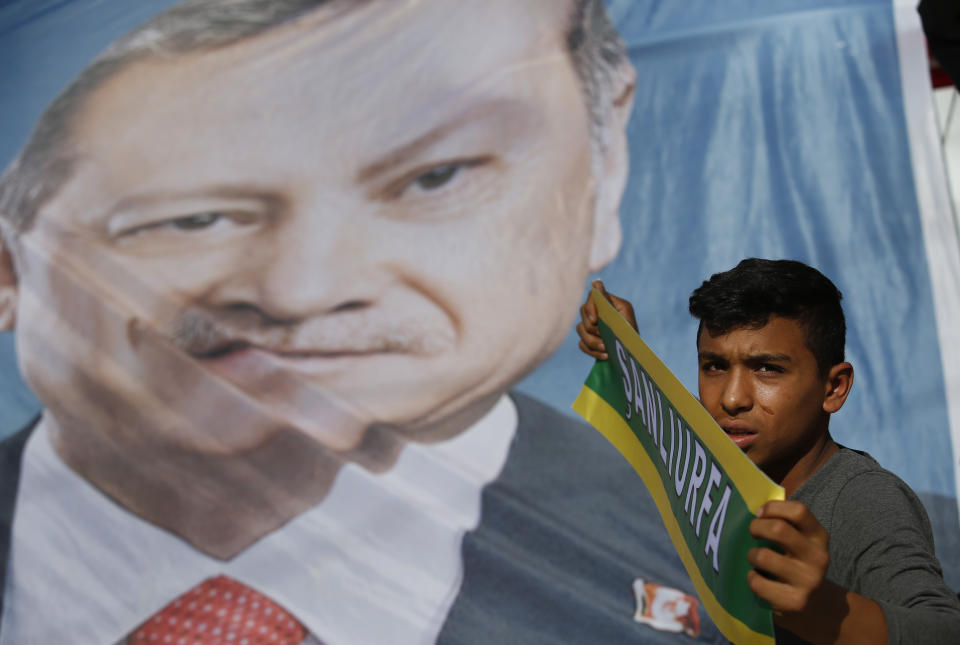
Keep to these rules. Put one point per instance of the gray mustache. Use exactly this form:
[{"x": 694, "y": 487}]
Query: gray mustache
[{"x": 205, "y": 333}]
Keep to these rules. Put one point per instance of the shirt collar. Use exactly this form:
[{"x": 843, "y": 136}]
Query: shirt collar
[{"x": 379, "y": 544}]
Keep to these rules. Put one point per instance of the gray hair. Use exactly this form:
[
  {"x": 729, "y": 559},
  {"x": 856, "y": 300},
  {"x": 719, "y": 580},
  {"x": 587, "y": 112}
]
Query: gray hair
[{"x": 43, "y": 166}]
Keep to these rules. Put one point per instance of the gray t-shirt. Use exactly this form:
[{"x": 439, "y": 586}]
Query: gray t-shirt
[{"x": 881, "y": 547}]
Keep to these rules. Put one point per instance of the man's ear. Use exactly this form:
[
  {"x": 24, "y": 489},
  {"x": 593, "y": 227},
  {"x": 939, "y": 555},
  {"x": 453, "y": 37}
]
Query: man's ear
[
  {"x": 8, "y": 287},
  {"x": 837, "y": 387},
  {"x": 612, "y": 169}
]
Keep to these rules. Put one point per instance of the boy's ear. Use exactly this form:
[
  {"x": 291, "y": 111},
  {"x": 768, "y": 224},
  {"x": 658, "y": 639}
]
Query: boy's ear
[
  {"x": 8, "y": 288},
  {"x": 837, "y": 387}
]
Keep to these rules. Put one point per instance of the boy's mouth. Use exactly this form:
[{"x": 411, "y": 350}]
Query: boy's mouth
[{"x": 740, "y": 433}]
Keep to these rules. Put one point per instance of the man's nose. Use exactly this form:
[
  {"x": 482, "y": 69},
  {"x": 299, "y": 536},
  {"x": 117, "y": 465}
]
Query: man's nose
[
  {"x": 737, "y": 392},
  {"x": 310, "y": 266}
]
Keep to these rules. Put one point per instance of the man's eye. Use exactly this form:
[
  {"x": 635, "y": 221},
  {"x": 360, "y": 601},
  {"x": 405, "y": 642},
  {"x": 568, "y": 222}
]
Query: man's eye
[
  {"x": 438, "y": 176},
  {"x": 195, "y": 222},
  {"x": 770, "y": 368},
  {"x": 198, "y": 224}
]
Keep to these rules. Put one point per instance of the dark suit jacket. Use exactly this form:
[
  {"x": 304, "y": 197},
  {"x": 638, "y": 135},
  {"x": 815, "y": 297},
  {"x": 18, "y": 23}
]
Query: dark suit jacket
[
  {"x": 941, "y": 25},
  {"x": 565, "y": 530}
]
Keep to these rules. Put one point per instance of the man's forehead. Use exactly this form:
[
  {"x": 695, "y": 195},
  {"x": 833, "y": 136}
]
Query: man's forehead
[
  {"x": 344, "y": 56},
  {"x": 377, "y": 28}
]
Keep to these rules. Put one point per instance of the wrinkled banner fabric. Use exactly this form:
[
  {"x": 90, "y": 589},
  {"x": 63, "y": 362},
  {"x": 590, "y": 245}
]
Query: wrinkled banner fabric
[
  {"x": 269, "y": 334},
  {"x": 706, "y": 489}
]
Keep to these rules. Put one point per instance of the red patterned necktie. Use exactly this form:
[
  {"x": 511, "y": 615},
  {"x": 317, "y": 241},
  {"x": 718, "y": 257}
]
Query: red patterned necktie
[{"x": 220, "y": 611}]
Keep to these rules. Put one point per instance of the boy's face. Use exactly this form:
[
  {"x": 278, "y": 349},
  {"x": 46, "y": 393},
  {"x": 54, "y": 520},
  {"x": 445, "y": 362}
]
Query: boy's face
[{"x": 764, "y": 388}]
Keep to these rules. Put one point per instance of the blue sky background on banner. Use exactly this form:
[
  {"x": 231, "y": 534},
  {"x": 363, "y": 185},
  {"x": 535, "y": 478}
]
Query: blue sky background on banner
[{"x": 773, "y": 129}]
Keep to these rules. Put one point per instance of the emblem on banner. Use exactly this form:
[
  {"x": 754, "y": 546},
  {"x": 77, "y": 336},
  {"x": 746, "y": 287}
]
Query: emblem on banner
[{"x": 666, "y": 609}]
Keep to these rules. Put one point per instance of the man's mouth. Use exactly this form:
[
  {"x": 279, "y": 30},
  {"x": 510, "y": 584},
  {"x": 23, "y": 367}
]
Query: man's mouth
[
  {"x": 245, "y": 361},
  {"x": 740, "y": 433},
  {"x": 284, "y": 353}
]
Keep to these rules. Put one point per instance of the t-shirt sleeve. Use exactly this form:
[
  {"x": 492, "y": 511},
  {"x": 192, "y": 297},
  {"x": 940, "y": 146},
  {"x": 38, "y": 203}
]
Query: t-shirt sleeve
[{"x": 882, "y": 537}]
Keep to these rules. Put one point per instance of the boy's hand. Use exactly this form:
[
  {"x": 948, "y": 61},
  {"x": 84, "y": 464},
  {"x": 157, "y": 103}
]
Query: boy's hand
[
  {"x": 798, "y": 573},
  {"x": 795, "y": 585},
  {"x": 587, "y": 329}
]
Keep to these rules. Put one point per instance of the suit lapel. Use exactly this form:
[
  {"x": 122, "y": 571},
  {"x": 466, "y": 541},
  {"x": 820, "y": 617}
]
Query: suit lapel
[{"x": 11, "y": 457}]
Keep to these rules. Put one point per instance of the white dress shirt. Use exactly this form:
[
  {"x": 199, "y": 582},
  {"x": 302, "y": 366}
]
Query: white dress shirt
[{"x": 377, "y": 561}]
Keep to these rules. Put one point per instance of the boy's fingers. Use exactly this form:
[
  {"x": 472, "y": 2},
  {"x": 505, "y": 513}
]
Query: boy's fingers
[
  {"x": 626, "y": 310},
  {"x": 773, "y": 563},
  {"x": 780, "y": 532},
  {"x": 809, "y": 556},
  {"x": 622, "y": 306},
  {"x": 798, "y": 515},
  {"x": 781, "y": 596},
  {"x": 592, "y": 341},
  {"x": 612, "y": 299},
  {"x": 588, "y": 312},
  {"x": 588, "y": 328},
  {"x": 799, "y": 574},
  {"x": 785, "y": 509},
  {"x": 600, "y": 355}
]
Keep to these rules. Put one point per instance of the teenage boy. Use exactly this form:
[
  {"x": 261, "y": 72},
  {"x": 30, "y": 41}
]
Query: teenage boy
[{"x": 856, "y": 561}]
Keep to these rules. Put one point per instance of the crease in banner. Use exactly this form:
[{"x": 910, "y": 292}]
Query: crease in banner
[{"x": 706, "y": 489}]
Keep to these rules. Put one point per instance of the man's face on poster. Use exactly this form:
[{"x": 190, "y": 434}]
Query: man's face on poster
[{"x": 389, "y": 208}]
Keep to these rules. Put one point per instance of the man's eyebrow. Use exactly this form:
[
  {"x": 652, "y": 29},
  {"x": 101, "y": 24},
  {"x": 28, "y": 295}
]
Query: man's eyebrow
[
  {"x": 411, "y": 149},
  {"x": 218, "y": 191}
]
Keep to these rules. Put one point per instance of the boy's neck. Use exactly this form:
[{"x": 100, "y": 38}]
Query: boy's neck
[{"x": 808, "y": 464}]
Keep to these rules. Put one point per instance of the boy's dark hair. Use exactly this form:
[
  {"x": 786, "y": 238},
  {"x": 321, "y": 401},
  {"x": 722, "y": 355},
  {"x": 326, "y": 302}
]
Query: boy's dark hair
[{"x": 748, "y": 294}]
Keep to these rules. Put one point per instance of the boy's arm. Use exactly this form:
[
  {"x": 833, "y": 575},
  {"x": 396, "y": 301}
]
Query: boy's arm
[{"x": 803, "y": 600}]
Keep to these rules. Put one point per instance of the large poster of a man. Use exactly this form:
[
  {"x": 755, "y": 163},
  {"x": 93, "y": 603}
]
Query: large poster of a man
[{"x": 272, "y": 270}]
